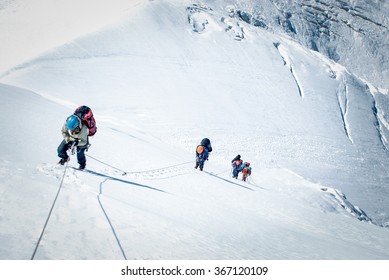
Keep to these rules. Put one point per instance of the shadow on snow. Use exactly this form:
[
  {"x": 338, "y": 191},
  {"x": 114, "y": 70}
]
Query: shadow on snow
[{"x": 117, "y": 179}]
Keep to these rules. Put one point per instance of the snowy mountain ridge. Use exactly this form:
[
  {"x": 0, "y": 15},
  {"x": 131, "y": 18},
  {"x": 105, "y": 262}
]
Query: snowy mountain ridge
[
  {"x": 341, "y": 30},
  {"x": 202, "y": 18}
]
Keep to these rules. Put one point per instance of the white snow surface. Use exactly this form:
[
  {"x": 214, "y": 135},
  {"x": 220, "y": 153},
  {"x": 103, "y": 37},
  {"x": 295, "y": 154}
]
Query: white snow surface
[{"x": 160, "y": 76}]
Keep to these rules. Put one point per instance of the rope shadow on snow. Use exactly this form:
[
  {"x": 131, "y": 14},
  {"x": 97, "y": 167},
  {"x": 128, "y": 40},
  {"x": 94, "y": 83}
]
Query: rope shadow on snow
[{"x": 118, "y": 180}]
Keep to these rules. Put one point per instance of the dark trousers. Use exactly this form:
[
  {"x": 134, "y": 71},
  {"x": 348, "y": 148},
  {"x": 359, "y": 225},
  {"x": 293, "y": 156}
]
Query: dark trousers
[
  {"x": 62, "y": 152},
  {"x": 200, "y": 162},
  {"x": 235, "y": 172}
]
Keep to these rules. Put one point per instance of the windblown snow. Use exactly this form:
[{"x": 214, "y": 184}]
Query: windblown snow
[{"x": 160, "y": 76}]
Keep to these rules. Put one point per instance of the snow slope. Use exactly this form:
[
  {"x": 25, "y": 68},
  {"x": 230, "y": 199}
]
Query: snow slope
[
  {"x": 159, "y": 80},
  {"x": 347, "y": 31}
]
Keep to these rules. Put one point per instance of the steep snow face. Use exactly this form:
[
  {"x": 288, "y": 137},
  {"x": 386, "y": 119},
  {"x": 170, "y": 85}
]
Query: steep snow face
[
  {"x": 353, "y": 33},
  {"x": 205, "y": 66},
  {"x": 159, "y": 81}
]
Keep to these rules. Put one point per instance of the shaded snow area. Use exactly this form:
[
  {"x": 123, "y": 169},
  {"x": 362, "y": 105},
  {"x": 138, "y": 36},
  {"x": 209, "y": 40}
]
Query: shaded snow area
[{"x": 160, "y": 76}]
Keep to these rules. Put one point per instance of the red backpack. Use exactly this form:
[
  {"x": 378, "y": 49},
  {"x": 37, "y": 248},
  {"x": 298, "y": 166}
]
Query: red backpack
[{"x": 86, "y": 115}]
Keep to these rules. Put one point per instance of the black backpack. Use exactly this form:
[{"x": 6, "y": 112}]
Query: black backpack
[
  {"x": 235, "y": 158},
  {"x": 206, "y": 143}
]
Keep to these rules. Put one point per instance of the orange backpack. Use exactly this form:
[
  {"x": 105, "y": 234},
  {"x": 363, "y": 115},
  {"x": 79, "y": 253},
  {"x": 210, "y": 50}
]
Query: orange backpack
[{"x": 200, "y": 149}]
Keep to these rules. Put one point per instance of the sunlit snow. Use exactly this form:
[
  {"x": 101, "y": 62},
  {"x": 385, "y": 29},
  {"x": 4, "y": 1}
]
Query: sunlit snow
[{"x": 160, "y": 76}]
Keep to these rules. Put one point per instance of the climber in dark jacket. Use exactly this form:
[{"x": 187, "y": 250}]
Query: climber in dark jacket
[{"x": 202, "y": 153}]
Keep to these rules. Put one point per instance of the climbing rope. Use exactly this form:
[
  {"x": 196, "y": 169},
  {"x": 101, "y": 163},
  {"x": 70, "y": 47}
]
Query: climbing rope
[
  {"x": 123, "y": 172},
  {"x": 107, "y": 217},
  {"x": 51, "y": 210},
  {"x": 136, "y": 172},
  {"x": 99, "y": 200},
  {"x": 157, "y": 169}
]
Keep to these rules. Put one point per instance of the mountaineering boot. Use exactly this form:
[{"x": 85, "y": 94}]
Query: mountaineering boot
[
  {"x": 62, "y": 161},
  {"x": 197, "y": 164},
  {"x": 82, "y": 166}
]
